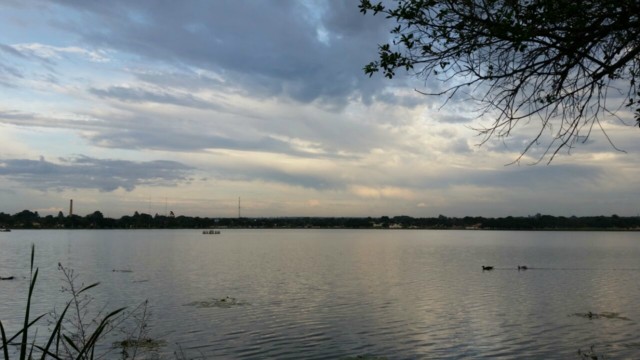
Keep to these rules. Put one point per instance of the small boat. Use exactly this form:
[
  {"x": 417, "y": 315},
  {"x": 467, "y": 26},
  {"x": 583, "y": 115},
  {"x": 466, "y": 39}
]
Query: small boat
[
  {"x": 523, "y": 267},
  {"x": 487, "y": 268},
  {"x": 5, "y": 230},
  {"x": 211, "y": 232},
  {"x": 6, "y": 278}
]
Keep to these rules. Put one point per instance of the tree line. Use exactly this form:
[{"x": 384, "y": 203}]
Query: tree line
[{"x": 32, "y": 220}]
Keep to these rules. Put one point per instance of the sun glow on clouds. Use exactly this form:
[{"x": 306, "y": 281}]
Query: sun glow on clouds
[{"x": 383, "y": 192}]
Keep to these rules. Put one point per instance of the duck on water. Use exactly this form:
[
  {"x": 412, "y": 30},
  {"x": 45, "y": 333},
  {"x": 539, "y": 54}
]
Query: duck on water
[{"x": 520, "y": 267}]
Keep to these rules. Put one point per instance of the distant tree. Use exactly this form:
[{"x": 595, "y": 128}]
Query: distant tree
[
  {"x": 96, "y": 215},
  {"x": 557, "y": 61},
  {"x": 142, "y": 220},
  {"x": 95, "y": 219},
  {"x": 48, "y": 221},
  {"x": 26, "y": 218},
  {"x": 5, "y": 220}
]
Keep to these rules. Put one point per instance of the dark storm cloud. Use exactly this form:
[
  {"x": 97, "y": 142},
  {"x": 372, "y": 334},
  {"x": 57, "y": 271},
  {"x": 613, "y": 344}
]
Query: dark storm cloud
[
  {"x": 276, "y": 48},
  {"x": 84, "y": 172}
]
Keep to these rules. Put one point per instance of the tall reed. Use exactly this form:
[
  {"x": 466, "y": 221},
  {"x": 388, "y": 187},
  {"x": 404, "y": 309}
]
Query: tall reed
[{"x": 84, "y": 350}]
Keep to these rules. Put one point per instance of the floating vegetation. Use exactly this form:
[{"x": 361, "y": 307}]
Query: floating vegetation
[
  {"x": 144, "y": 343},
  {"x": 225, "y": 302},
  {"x": 590, "y": 354},
  {"x": 364, "y": 357},
  {"x": 122, "y": 270},
  {"x": 632, "y": 345},
  {"x": 603, "y": 315}
]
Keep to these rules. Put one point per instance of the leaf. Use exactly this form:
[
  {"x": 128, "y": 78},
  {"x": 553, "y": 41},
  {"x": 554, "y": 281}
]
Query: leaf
[
  {"x": 88, "y": 287},
  {"x": 70, "y": 342},
  {"x": 55, "y": 331},
  {"x": 22, "y": 330},
  {"x": 5, "y": 343},
  {"x": 32, "y": 284},
  {"x": 93, "y": 339},
  {"x": 47, "y": 352}
]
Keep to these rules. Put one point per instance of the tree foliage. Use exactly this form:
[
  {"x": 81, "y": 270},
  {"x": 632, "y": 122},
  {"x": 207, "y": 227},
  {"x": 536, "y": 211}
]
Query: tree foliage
[
  {"x": 558, "y": 61},
  {"x": 146, "y": 221}
]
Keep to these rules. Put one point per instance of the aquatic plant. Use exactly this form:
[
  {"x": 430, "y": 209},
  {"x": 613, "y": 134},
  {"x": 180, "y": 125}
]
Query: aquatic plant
[
  {"x": 179, "y": 354},
  {"x": 225, "y": 302},
  {"x": 136, "y": 338},
  {"x": 73, "y": 335},
  {"x": 364, "y": 357},
  {"x": 603, "y": 315},
  {"x": 590, "y": 354}
]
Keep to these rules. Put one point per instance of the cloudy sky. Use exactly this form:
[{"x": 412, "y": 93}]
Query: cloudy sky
[{"x": 178, "y": 106}]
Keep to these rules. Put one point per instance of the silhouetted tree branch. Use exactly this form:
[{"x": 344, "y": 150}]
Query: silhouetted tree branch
[{"x": 551, "y": 60}]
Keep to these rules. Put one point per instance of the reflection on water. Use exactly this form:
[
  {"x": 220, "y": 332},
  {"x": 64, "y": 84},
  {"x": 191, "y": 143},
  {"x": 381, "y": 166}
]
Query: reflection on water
[{"x": 344, "y": 293}]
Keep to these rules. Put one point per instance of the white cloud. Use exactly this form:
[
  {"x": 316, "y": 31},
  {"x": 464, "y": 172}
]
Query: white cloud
[{"x": 49, "y": 52}]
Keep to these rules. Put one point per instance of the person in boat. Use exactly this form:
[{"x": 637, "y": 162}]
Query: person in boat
[{"x": 523, "y": 267}]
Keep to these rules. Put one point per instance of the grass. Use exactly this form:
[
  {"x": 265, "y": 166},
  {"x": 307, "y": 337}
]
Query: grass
[{"x": 60, "y": 343}]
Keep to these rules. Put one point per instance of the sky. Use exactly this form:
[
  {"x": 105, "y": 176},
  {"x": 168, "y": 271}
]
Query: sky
[{"x": 158, "y": 106}]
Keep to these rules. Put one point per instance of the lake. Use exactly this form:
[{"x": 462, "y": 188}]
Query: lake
[{"x": 331, "y": 294}]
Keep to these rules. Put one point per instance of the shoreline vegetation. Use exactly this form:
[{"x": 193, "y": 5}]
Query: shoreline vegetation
[
  {"x": 32, "y": 220},
  {"x": 74, "y": 335}
]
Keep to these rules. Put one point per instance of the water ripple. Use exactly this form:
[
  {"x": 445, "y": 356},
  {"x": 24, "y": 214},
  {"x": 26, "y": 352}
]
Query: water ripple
[{"x": 324, "y": 294}]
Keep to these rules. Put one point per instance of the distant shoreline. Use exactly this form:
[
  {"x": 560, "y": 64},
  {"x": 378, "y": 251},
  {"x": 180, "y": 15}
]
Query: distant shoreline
[
  {"x": 32, "y": 220},
  {"x": 332, "y": 228}
]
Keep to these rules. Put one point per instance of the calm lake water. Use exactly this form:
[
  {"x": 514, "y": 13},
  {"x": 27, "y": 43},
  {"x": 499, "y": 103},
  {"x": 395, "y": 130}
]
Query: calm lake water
[{"x": 331, "y": 294}]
